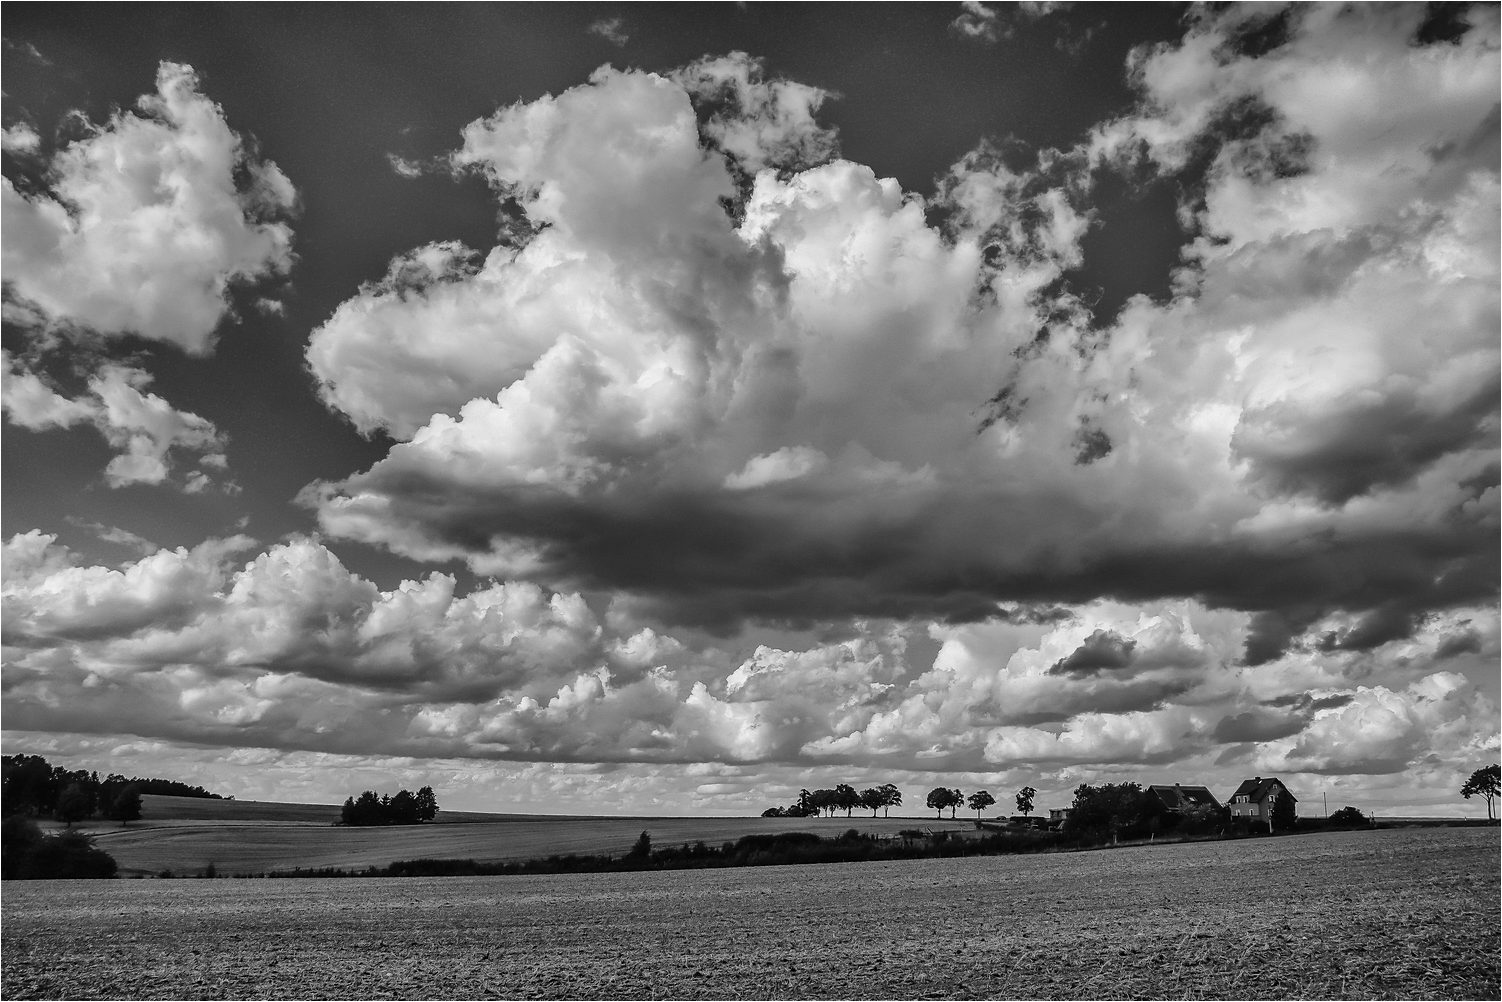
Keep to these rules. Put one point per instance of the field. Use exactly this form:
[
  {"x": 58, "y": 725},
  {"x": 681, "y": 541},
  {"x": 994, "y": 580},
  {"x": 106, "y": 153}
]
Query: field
[
  {"x": 1376, "y": 914},
  {"x": 186, "y": 835}
]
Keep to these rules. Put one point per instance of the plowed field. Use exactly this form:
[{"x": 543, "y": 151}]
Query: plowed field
[{"x": 1385, "y": 914}]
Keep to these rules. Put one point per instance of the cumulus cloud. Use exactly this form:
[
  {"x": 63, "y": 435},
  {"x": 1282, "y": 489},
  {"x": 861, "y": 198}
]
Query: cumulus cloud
[
  {"x": 291, "y": 650},
  {"x": 821, "y": 402},
  {"x": 142, "y": 228},
  {"x": 148, "y": 220},
  {"x": 1101, "y": 651},
  {"x": 758, "y": 122},
  {"x": 20, "y": 139},
  {"x": 722, "y": 379},
  {"x": 145, "y": 431},
  {"x": 30, "y": 403}
]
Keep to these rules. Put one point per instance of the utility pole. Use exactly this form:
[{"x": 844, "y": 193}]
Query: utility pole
[{"x": 1326, "y": 797}]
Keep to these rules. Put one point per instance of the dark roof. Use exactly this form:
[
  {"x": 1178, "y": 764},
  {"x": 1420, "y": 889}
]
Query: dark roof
[
  {"x": 1182, "y": 798},
  {"x": 1256, "y": 790}
]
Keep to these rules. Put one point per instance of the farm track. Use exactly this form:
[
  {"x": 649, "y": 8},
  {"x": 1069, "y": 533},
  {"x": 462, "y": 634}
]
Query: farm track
[{"x": 1385, "y": 914}]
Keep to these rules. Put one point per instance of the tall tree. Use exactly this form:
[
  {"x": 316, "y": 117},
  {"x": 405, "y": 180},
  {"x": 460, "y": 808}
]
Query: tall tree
[
  {"x": 938, "y": 799},
  {"x": 427, "y": 804},
  {"x": 1108, "y": 809},
  {"x": 1484, "y": 782},
  {"x": 126, "y": 806},
  {"x": 1025, "y": 800},
  {"x": 846, "y": 797},
  {"x": 1283, "y": 817},
  {"x": 956, "y": 798},
  {"x": 890, "y": 797},
  {"x": 979, "y": 801},
  {"x": 872, "y": 798},
  {"x": 74, "y": 804}
]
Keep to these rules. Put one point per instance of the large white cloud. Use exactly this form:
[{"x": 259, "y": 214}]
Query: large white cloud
[
  {"x": 822, "y": 401},
  {"x": 141, "y": 227},
  {"x": 148, "y": 220}
]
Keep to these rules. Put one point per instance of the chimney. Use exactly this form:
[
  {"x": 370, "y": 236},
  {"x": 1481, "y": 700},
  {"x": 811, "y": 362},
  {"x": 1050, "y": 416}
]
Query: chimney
[{"x": 1256, "y": 779}]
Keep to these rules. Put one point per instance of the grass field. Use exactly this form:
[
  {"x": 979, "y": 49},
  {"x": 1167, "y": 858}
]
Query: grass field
[
  {"x": 185, "y": 835},
  {"x": 1374, "y": 914}
]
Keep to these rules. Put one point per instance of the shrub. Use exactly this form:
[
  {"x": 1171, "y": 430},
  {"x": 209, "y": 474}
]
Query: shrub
[
  {"x": 68, "y": 855},
  {"x": 1349, "y": 817}
]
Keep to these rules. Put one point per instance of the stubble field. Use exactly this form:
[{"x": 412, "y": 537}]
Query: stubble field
[{"x": 1385, "y": 914}]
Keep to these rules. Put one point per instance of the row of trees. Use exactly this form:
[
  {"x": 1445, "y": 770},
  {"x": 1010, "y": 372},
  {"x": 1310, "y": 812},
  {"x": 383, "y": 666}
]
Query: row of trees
[
  {"x": 883, "y": 798},
  {"x": 940, "y": 798},
  {"x": 406, "y": 808},
  {"x": 32, "y": 786},
  {"x": 842, "y": 798}
]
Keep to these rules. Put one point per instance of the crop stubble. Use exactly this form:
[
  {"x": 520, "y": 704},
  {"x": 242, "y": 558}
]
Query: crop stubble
[{"x": 1405, "y": 913}]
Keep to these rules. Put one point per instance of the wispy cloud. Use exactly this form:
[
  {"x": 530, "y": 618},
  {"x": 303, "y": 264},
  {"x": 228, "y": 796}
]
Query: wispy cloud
[{"x": 612, "y": 29}]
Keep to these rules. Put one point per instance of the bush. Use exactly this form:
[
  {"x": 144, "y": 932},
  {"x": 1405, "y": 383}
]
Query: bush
[
  {"x": 1349, "y": 817},
  {"x": 68, "y": 855}
]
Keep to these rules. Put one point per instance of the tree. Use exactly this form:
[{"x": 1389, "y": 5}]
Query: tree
[
  {"x": 427, "y": 804},
  {"x": 938, "y": 799},
  {"x": 1109, "y": 809},
  {"x": 823, "y": 800},
  {"x": 874, "y": 799},
  {"x": 956, "y": 798},
  {"x": 979, "y": 801},
  {"x": 1283, "y": 816},
  {"x": 1349, "y": 817},
  {"x": 74, "y": 804},
  {"x": 890, "y": 797},
  {"x": 643, "y": 847},
  {"x": 126, "y": 806},
  {"x": 1025, "y": 800},
  {"x": 846, "y": 797},
  {"x": 1485, "y": 782}
]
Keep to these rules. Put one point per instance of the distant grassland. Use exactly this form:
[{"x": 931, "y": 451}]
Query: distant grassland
[{"x": 186, "y": 835}]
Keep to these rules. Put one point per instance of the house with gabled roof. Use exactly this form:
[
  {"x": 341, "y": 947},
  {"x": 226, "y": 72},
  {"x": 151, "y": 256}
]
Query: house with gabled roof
[
  {"x": 1180, "y": 799},
  {"x": 1254, "y": 799}
]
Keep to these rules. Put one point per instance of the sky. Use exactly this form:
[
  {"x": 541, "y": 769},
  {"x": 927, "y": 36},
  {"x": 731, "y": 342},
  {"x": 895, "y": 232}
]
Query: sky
[{"x": 656, "y": 410}]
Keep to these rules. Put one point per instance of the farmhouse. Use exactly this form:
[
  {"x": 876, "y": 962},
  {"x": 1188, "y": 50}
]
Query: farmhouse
[
  {"x": 1255, "y": 797},
  {"x": 1178, "y": 799}
]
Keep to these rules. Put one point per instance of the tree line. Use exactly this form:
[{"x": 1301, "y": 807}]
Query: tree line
[
  {"x": 406, "y": 808},
  {"x": 843, "y": 797},
  {"x": 31, "y": 786}
]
